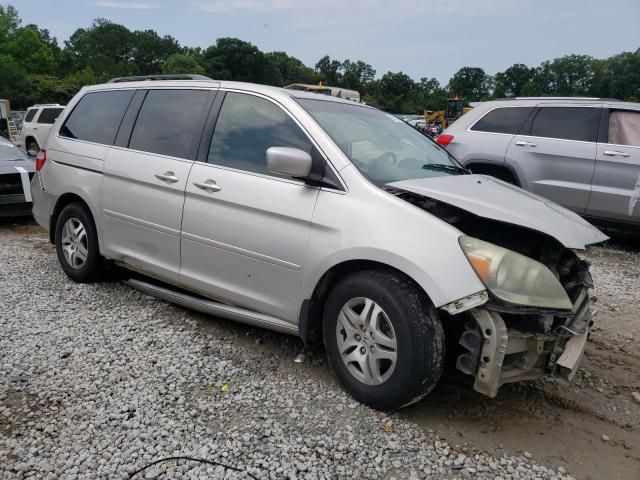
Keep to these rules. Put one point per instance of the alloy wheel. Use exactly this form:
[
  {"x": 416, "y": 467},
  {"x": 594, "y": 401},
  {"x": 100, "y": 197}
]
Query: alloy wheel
[
  {"x": 75, "y": 244},
  {"x": 366, "y": 341}
]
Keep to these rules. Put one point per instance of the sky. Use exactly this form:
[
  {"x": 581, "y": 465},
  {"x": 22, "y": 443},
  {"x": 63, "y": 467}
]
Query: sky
[{"x": 422, "y": 38}]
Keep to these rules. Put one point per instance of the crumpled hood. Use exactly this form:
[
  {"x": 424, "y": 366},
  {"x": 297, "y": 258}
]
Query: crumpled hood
[
  {"x": 9, "y": 166},
  {"x": 492, "y": 198}
]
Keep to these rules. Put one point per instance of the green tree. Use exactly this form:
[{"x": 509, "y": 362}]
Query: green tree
[
  {"x": 150, "y": 51},
  {"x": 34, "y": 55},
  {"x": 235, "y": 59},
  {"x": 396, "y": 93},
  {"x": 106, "y": 47},
  {"x": 9, "y": 23},
  {"x": 512, "y": 81},
  {"x": 291, "y": 69},
  {"x": 329, "y": 71},
  {"x": 471, "y": 84},
  {"x": 182, "y": 63},
  {"x": 14, "y": 82},
  {"x": 434, "y": 97}
]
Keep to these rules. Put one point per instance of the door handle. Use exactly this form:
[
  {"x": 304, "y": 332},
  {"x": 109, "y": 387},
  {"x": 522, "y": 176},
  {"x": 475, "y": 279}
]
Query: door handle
[
  {"x": 525, "y": 144},
  {"x": 209, "y": 186},
  {"x": 168, "y": 177},
  {"x": 615, "y": 153}
]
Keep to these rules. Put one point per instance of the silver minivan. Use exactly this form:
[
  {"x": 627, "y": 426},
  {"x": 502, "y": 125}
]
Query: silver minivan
[
  {"x": 322, "y": 218},
  {"x": 582, "y": 153}
]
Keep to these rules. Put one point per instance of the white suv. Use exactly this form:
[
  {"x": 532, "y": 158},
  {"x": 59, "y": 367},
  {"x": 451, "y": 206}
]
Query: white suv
[
  {"x": 36, "y": 125},
  {"x": 322, "y": 218}
]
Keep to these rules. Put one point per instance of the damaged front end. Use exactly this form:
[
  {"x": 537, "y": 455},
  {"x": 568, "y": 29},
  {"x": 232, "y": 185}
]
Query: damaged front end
[{"x": 535, "y": 317}]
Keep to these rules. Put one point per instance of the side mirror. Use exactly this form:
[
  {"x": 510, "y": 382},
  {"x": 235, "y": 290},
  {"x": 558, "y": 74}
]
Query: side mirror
[{"x": 292, "y": 162}]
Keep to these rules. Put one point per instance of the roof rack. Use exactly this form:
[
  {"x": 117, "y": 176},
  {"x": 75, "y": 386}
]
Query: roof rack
[
  {"x": 586, "y": 99},
  {"x": 142, "y": 78}
]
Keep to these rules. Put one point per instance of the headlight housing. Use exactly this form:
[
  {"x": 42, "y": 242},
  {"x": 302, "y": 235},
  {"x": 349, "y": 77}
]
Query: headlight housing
[{"x": 513, "y": 277}]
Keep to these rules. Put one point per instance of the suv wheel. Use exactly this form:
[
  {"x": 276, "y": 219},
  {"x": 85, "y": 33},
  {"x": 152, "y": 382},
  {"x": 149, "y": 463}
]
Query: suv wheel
[
  {"x": 77, "y": 244},
  {"x": 32, "y": 146},
  {"x": 383, "y": 339}
]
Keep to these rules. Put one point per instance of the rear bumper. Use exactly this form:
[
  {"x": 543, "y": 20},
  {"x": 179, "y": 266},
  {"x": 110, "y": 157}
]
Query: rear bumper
[
  {"x": 43, "y": 203},
  {"x": 499, "y": 354}
]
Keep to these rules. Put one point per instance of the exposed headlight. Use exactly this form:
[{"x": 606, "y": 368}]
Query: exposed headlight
[{"x": 515, "y": 278}]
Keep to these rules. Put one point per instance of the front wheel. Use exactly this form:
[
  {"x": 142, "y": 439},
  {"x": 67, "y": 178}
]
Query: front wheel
[{"x": 383, "y": 339}]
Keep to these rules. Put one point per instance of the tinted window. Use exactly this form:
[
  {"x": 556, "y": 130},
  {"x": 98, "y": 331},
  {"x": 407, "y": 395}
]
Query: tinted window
[
  {"x": 570, "y": 123},
  {"x": 168, "y": 122},
  {"x": 247, "y": 126},
  {"x": 97, "y": 116},
  {"x": 30, "y": 114},
  {"x": 49, "y": 115},
  {"x": 503, "y": 120}
]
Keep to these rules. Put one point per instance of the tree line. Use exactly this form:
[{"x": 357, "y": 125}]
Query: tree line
[{"x": 34, "y": 68}]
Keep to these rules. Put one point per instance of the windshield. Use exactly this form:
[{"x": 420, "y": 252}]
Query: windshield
[
  {"x": 382, "y": 146},
  {"x": 11, "y": 152}
]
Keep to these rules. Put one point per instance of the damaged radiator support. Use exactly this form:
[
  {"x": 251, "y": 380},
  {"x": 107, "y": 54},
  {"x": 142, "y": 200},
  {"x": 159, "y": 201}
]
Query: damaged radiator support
[{"x": 497, "y": 354}]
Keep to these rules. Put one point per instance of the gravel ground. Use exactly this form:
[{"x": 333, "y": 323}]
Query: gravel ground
[{"x": 97, "y": 381}]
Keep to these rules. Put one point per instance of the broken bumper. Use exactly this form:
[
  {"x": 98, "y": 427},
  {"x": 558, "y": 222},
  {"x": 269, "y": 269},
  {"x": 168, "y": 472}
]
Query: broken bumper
[{"x": 500, "y": 351}]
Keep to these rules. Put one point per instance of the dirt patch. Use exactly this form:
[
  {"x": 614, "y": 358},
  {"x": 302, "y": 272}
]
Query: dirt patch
[{"x": 21, "y": 407}]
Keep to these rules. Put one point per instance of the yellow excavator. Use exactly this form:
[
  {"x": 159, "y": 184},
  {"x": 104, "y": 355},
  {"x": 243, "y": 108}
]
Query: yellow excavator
[{"x": 455, "y": 109}]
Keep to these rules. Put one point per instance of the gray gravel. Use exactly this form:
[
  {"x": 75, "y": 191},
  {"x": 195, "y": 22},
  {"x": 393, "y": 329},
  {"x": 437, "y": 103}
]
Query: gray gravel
[{"x": 99, "y": 380}]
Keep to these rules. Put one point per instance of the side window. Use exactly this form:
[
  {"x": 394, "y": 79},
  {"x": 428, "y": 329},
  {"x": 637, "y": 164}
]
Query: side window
[
  {"x": 30, "y": 114},
  {"x": 503, "y": 120},
  {"x": 624, "y": 127},
  {"x": 246, "y": 127},
  {"x": 569, "y": 123},
  {"x": 168, "y": 122},
  {"x": 97, "y": 116},
  {"x": 49, "y": 115}
]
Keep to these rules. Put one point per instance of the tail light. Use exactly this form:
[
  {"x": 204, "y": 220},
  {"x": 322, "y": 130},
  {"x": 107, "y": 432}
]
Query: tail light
[
  {"x": 40, "y": 159},
  {"x": 444, "y": 140}
]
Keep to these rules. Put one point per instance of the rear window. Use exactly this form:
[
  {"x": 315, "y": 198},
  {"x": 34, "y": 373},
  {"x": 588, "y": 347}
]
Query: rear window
[
  {"x": 568, "y": 123},
  {"x": 503, "y": 120},
  {"x": 30, "y": 114},
  {"x": 97, "y": 116},
  {"x": 168, "y": 122},
  {"x": 49, "y": 115}
]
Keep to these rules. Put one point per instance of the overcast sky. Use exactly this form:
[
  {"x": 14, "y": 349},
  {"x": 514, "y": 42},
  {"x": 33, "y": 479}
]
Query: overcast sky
[{"x": 431, "y": 38}]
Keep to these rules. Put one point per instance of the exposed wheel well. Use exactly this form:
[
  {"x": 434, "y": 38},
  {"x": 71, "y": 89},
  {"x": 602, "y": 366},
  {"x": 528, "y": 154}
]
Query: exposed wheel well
[
  {"x": 62, "y": 202},
  {"x": 500, "y": 172},
  {"x": 30, "y": 137},
  {"x": 311, "y": 313}
]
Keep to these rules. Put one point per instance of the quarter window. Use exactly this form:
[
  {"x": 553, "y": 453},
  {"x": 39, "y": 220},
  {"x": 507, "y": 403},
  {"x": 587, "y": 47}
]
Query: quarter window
[
  {"x": 49, "y": 115},
  {"x": 246, "y": 127},
  {"x": 97, "y": 116},
  {"x": 168, "y": 122},
  {"x": 569, "y": 123},
  {"x": 30, "y": 114},
  {"x": 503, "y": 120}
]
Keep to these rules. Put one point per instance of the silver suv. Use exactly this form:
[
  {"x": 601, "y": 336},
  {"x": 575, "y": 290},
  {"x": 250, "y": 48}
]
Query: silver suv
[
  {"x": 322, "y": 218},
  {"x": 582, "y": 153}
]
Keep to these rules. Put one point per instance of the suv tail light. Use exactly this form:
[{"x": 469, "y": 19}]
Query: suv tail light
[
  {"x": 40, "y": 159},
  {"x": 444, "y": 140}
]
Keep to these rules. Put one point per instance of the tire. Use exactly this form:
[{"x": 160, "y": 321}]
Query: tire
[
  {"x": 32, "y": 145},
  {"x": 75, "y": 238},
  {"x": 405, "y": 315}
]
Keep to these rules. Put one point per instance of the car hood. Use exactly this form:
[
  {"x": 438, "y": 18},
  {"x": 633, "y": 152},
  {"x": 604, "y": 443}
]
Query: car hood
[
  {"x": 492, "y": 198},
  {"x": 9, "y": 166}
]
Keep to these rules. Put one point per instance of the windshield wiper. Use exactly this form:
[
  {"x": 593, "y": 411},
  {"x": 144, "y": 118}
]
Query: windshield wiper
[{"x": 446, "y": 168}]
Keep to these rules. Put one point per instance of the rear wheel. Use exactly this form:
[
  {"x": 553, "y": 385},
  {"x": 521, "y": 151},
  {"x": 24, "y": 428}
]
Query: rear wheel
[
  {"x": 32, "y": 146},
  {"x": 77, "y": 244},
  {"x": 383, "y": 339}
]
